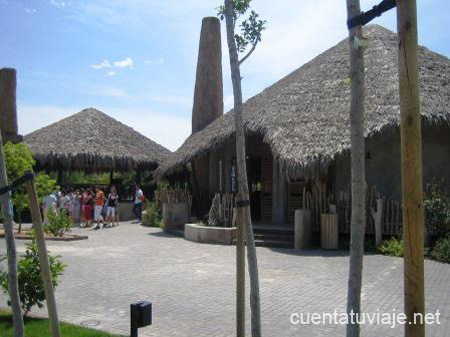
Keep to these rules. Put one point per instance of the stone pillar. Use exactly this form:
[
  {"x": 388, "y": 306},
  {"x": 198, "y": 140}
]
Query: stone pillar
[
  {"x": 302, "y": 221},
  {"x": 279, "y": 194},
  {"x": 208, "y": 95},
  {"x": 8, "y": 110}
]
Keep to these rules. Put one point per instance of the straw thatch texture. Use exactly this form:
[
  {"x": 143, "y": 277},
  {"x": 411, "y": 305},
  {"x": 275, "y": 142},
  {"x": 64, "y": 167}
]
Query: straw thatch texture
[
  {"x": 92, "y": 140},
  {"x": 304, "y": 117}
]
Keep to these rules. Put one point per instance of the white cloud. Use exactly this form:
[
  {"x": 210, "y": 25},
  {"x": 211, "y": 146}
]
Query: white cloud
[
  {"x": 101, "y": 65},
  {"x": 60, "y": 3},
  {"x": 30, "y": 10},
  {"x": 167, "y": 130},
  {"x": 127, "y": 63},
  {"x": 159, "y": 60},
  {"x": 112, "y": 73}
]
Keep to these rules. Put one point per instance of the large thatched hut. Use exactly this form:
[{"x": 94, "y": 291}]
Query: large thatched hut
[
  {"x": 93, "y": 141},
  {"x": 298, "y": 131}
]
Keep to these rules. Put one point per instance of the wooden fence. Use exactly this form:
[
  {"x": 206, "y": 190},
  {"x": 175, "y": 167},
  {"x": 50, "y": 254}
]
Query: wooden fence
[
  {"x": 221, "y": 213},
  {"x": 319, "y": 201}
]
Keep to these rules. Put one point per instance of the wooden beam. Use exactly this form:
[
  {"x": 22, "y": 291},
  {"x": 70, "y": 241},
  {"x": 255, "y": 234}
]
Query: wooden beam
[
  {"x": 411, "y": 152},
  {"x": 43, "y": 258}
]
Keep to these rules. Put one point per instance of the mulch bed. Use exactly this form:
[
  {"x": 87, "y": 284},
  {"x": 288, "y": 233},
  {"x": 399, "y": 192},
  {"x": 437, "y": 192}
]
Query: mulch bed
[{"x": 26, "y": 235}]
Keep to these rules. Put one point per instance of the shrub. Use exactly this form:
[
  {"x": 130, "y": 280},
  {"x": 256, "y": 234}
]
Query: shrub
[
  {"x": 441, "y": 251},
  {"x": 392, "y": 247},
  {"x": 437, "y": 212},
  {"x": 31, "y": 288},
  {"x": 150, "y": 216},
  {"x": 58, "y": 223}
]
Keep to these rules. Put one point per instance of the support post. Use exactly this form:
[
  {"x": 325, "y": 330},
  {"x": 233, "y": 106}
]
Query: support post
[
  {"x": 60, "y": 176},
  {"x": 43, "y": 259},
  {"x": 411, "y": 152},
  {"x": 377, "y": 218},
  {"x": 239, "y": 221},
  {"x": 13, "y": 289}
]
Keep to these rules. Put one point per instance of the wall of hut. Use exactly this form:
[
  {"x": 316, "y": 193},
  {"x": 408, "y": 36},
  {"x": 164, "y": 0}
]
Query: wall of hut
[{"x": 383, "y": 161}]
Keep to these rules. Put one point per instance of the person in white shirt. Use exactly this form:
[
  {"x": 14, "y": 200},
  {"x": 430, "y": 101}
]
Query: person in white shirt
[
  {"x": 138, "y": 198},
  {"x": 49, "y": 206}
]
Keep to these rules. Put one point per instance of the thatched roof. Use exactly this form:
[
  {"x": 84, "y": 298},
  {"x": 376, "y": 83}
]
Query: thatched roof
[
  {"x": 93, "y": 140},
  {"x": 304, "y": 117}
]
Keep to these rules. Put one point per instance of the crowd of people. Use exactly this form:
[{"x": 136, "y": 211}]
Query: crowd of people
[{"x": 90, "y": 206}]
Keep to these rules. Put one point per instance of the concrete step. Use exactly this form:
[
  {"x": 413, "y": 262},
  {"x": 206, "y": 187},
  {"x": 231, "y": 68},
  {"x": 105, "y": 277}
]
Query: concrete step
[
  {"x": 273, "y": 243},
  {"x": 275, "y": 237}
]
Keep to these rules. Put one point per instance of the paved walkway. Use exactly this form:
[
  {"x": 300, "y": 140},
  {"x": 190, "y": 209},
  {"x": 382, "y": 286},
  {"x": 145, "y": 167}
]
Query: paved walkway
[{"x": 192, "y": 285}]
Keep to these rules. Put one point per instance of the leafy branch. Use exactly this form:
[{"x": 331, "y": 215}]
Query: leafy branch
[{"x": 251, "y": 27}]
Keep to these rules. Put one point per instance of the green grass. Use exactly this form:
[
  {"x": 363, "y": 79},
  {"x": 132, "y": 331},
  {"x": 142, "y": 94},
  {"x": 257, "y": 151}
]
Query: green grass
[{"x": 37, "y": 327}]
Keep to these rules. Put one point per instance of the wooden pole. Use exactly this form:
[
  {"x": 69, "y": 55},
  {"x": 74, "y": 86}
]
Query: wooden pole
[
  {"x": 6, "y": 206},
  {"x": 358, "y": 187},
  {"x": 43, "y": 258},
  {"x": 240, "y": 270},
  {"x": 411, "y": 152}
]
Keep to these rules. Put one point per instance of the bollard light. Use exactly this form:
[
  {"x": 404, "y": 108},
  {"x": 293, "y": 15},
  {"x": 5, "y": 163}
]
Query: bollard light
[{"x": 140, "y": 316}]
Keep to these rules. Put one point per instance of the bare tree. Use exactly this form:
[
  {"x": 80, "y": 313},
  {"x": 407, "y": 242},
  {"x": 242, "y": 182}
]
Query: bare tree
[
  {"x": 358, "y": 225},
  {"x": 251, "y": 29},
  {"x": 13, "y": 284}
]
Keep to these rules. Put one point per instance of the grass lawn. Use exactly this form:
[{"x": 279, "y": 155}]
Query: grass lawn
[{"x": 36, "y": 327}]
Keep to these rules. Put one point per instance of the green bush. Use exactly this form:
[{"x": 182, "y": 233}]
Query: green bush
[
  {"x": 31, "y": 288},
  {"x": 441, "y": 251},
  {"x": 150, "y": 216},
  {"x": 437, "y": 212},
  {"x": 391, "y": 247},
  {"x": 58, "y": 223}
]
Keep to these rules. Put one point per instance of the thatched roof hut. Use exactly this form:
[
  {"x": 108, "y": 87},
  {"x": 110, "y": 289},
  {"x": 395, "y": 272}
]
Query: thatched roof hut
[
  {"x": 92, "y": 140},
  {"x": 304, "y": 117}
]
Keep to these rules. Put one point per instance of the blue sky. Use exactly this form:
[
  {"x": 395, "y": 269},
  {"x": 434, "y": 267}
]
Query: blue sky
[{"x": 135, "y": 59}]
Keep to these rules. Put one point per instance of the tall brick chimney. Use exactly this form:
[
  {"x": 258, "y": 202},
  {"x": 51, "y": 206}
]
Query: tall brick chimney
[
  {"x": 208, "y": 94},
  {"x": 8, "y": 110}
]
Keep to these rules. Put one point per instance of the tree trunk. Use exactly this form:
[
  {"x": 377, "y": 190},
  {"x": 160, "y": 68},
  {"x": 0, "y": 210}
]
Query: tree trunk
[
  {"x": 412, "y": 185},
  {"x": 6, "y": 206},
  {"x": 242, "y": 174},
  {"x": 357, "y": 169}
]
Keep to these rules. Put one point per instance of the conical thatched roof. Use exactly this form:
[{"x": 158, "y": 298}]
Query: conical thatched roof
[
  {"x": 304, "y": 117},
  {"x": 92, "y": 140}
]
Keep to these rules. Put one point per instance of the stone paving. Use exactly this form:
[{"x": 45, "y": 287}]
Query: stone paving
[{"x": 192, "y": 285}]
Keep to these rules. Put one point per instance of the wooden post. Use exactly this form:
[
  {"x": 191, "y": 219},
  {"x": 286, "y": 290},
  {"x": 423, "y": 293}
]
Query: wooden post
[
  {"x": 377, "y": 219},
  {"x": 60, "y": 176},
  {"x": 6, "y": 206},
  {"x": 43, "y": 258},
  {"x": 138, "y": 176},
  {"x": 239, "y": 222},
  {"x": 358, "y": 187},
  {"x": 111, "y": 177},
  {"x": 412, "y": 185}
]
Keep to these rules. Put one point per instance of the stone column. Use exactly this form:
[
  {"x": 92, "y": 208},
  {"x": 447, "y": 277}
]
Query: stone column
[
  {"x": 279, "y": 194},
  {"x": 208, "y": 95},
  {"x": 8, "y": 110}
]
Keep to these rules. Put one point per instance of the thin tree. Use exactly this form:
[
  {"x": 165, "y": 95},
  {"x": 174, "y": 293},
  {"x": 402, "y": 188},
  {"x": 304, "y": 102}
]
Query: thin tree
[
  {"x": 6, "y": 206},
  {"x": 357, "y": 169},
  {"x": 251, "y": 29}
]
